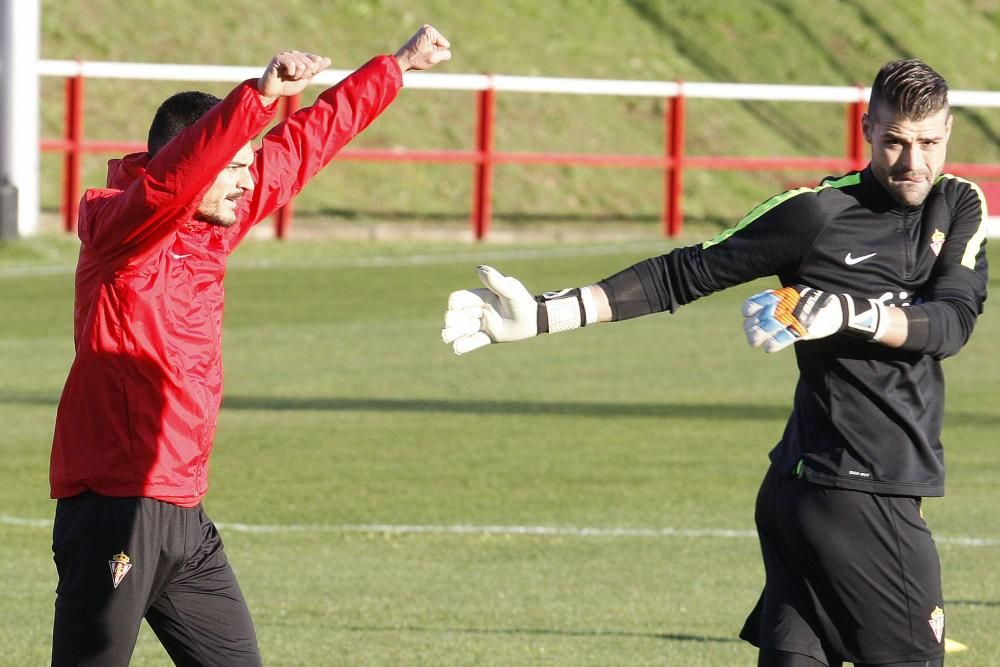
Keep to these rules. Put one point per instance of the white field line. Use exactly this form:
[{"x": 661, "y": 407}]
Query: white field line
[
  {"x": 386, "y": 261},
  {"x": 468, "y": 529}
]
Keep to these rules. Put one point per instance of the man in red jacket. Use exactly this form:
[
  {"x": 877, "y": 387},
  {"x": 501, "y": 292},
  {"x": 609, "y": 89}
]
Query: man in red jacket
[{"x": 137, "y": 416}]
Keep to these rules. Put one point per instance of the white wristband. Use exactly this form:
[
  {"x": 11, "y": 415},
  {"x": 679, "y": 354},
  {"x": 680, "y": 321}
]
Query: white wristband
[
  {"x": 883, "y": 320},
  {"x": 564, "y": 314},
  {"x": 871, "y": 323},
  {"x": 567, "y": 309}
]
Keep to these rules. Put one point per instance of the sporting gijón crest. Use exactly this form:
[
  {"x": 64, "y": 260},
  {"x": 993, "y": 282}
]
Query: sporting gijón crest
[
  {"x": 937, "y": 623},
  {"x": 120, "y": 565}
]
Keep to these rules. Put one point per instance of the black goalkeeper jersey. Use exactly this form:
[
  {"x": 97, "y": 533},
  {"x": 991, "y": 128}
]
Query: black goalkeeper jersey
[{"x": 865, "y": 416}]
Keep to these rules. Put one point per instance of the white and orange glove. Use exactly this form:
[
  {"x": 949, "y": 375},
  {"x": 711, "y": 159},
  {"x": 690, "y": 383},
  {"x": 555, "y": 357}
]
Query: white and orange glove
[{"x": 775, "y": 319}]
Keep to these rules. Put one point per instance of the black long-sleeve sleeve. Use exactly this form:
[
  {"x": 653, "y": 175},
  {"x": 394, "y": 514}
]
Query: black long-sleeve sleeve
[{"x": 770, "y": 240}]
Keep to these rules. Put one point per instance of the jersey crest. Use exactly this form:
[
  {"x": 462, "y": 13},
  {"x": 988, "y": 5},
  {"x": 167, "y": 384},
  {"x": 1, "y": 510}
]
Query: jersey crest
[
  {"x": 937, "y": 623},
  {"x": 120, "y": 565},
  {"x": 937, "y": 241}
]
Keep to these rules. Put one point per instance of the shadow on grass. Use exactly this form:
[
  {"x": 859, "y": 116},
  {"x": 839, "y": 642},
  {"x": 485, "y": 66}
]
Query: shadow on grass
[
  {"x": 481, "y": 407},
  {"x": 570, "y": 408},
  {"x": 973, "y": 603},
  {"x": 675, "y": 637}
]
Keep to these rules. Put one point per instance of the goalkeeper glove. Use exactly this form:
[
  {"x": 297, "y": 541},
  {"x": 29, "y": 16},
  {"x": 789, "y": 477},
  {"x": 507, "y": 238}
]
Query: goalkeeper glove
[
  {"x": 777, "y": 318},
  {"x": 504, "y": 311}
]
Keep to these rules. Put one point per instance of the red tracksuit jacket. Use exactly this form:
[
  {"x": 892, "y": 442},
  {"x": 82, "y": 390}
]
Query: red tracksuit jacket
[{"x": 138, "y": 412}]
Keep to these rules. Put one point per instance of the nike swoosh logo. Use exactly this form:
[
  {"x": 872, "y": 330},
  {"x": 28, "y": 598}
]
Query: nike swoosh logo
[
  {"x": 176, "y": 256},
  {"x": 851, "y": 261}
]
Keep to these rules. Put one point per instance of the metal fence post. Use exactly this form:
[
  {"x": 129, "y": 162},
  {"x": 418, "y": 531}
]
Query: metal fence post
[
  {"x": 482, "y": 186},
  {"x": 74, "y": 149},
  {"x": 855, "y": 131},
  {"x": 283, "y": 216},
  {"x": 673, "y": 208}
]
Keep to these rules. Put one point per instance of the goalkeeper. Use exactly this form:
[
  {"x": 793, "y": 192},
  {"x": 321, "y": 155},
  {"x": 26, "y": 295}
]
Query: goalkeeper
[{"x": 884, "y": 275}]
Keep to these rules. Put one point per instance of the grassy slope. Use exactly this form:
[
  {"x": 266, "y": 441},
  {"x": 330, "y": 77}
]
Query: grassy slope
[{"x": 780, "y": 41}]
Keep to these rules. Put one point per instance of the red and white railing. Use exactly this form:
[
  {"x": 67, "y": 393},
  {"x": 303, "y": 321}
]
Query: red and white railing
[{"x": 672, "y": 161}]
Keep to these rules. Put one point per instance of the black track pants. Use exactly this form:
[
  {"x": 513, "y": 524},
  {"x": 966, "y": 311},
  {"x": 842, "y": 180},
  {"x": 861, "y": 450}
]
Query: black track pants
[{"x": 120, "y": 560}]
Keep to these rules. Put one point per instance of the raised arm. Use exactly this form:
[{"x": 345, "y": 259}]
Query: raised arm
[
  {"x": 297, "y": 149},
  {"x": 170, "y": 185},
  {"x": 173, "y": 182}
]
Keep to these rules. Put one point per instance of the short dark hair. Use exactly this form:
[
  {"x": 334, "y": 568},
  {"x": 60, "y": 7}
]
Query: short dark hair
[
  {"x": 176, "y": 113},
  {"x": 909, "y": 88}
]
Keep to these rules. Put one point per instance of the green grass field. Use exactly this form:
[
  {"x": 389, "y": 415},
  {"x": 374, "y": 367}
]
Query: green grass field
[
  {"x": 377, "y": 493},
  {"x": 580, "y": 500}
]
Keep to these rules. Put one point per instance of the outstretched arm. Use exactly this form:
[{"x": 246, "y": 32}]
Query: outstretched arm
[{"x": 505, "y": 311}]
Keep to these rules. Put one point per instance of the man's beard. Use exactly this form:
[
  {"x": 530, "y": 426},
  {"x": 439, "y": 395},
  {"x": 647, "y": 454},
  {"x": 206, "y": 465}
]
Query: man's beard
[
  {"x": 217, "y": 220},
  {"x": 909, "y": 193},
  {"x": 215, "y": 217}
]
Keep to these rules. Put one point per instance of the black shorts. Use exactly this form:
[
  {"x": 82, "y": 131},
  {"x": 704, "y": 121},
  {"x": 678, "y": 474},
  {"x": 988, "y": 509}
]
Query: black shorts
[
  {"x": 850, "y": 576},
  {"x": 124, "y": 559}
]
